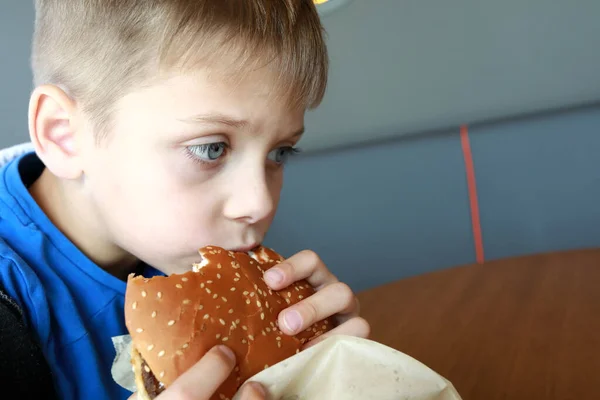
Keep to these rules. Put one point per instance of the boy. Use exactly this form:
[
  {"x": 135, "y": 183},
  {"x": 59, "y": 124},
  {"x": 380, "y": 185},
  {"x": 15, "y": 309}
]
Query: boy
[{"x": 159, "y": 126}]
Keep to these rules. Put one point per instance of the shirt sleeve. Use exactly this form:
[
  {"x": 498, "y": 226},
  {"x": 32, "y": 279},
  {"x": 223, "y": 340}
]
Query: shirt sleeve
[{"x": 21, "y": 360}]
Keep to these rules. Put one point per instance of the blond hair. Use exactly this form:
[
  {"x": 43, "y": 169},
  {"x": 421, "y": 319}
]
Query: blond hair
[{"x": 98, "y": 50}]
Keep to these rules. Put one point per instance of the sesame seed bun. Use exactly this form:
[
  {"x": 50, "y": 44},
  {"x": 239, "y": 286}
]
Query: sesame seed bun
[{"x": 174, "y": 320}]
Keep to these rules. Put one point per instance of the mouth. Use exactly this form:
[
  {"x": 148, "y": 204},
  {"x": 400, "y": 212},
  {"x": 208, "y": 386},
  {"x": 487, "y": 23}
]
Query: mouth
[{"x": 245, "y": 249}]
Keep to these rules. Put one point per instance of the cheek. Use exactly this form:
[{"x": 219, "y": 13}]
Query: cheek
[
  {"x": 275, "y": 186},
  {"x": 148, "y": 208}
]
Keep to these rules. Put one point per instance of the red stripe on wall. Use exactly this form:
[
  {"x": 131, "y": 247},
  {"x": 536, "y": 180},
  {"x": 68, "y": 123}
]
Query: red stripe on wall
[{"x": 472, "y": 188}]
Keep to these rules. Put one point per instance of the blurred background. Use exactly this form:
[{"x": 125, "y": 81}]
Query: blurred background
[{"x": 381, "y": 190}]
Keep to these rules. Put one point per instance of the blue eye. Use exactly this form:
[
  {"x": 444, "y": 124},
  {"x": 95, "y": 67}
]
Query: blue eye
[
  {"x": 281, "y": 154},
  {"x": 208, "y": 152}
]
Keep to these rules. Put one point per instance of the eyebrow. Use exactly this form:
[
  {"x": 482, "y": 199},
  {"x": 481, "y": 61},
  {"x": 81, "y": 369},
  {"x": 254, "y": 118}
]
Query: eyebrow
[
  {"x": 219, "y": 119},
  {"x": 222, "y": 119}
]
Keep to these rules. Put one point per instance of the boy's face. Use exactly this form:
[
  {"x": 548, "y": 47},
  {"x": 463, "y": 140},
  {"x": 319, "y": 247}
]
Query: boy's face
[{"x": 189, "y": 162}]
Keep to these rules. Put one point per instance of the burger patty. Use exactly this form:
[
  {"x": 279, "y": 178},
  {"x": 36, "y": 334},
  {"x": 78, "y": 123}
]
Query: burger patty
[{"x": 152, "y": 385}]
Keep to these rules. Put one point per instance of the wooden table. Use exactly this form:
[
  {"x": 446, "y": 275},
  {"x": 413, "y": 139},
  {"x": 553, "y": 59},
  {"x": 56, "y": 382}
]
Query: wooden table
[{"x": 521, "y": 328}]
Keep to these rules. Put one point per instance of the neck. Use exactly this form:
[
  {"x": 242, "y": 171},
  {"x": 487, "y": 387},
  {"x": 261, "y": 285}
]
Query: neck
[{"x": 74, "y": 216}]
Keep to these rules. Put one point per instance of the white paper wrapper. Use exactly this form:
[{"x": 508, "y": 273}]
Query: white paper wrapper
[{"x": 340, "y": 367}]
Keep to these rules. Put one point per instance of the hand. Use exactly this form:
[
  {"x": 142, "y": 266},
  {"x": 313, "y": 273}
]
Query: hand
[
  {"x": 332, "y": 298},
  {"x": 203, "y": 379}
]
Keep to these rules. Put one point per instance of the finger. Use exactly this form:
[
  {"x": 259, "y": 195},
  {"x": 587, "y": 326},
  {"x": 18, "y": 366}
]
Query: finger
[
  {"x": 356, "y": 326},
  {"x": 253, "y": 391},
  {"x": 336, "y": 298},
  {"x": 303, "y": 265},
  {"x": 203, "y": 379}
]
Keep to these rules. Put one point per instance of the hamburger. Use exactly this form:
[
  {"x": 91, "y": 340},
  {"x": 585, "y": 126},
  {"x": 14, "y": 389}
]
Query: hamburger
[{"x": 174, "y": 320}]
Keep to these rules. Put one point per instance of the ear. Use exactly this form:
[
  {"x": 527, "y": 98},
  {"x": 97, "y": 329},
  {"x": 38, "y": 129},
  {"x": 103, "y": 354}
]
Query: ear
[{"x": 53, "y": 132}]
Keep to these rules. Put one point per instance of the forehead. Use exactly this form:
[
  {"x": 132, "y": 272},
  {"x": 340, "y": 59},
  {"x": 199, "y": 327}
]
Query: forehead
[{"x": 253, "y": 96}]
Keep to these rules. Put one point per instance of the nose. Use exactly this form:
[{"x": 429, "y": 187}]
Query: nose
[{"x": 250, "y": 198}]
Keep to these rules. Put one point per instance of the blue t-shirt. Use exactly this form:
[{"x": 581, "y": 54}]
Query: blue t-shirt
[{"x": 72, "y": 306}]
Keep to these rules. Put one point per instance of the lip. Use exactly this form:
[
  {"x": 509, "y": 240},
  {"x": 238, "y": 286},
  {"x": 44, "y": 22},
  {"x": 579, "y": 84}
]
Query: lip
[{"x": 246, "y": 248}]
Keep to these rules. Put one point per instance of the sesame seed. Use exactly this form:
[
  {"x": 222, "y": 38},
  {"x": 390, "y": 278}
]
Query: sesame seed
[
  {"x": 232, "y": 289},
  {"x": 300, "y": 297},
  {"x": 219, "y": 266},
  {"x": 279, "y": 344},
  {"x": 237, "y": 321},
  {"x": 134, "y": 305},
  {"x": 258, "y": 303},
  {"x": 224, "y": 299},
  {"x": 215, "y": 296},
  {"x": 186, "y": 301},
  {"x": 153, "y": 314},
  {"x": 231, "y": 311},
  {"x": 266, "y": 366},
  {"x": 245, "y": 327},
  {"x": 262, "y": 316},
  {"x": 185, "y": 345},
  {"x": 287, "y": 301},
  {"x": 179, "y": 353},
  {"x": 222, "y": 322},
  {"x": 202, "y": 285},
  {"x": 246, "y": 293},
  {"x": 208, "y": 291},
  {"x": 251, "y": 337},
  {"x": 178, "y": 286},
  {"x": 162, "y": 374},
  {"x": 144, "y": 294},
  {"x": 268, "y": 330},
  {"x": 236, "y": 279},
  {"x": 225, "y": 339},
  {"x": 218, "y": 336},
  {"x": 263, "y": 333},
  {"x": 324, "y": 327},
  {"x": 219, "y": 276},
  {"x": 184, "y": 279},
  {"x": 297, "y": 351},
  {"x": 244, "y": 341},
  {"x": 289, "y": 294},
  {"x": 200, "y": 306},
  {"x": 267, "y": 304},
  {"x": 171, "y": 323},
  {"x": 206, "y": 316},
  {"x": 147, "y": 368},
  {"x": 218, "y": 306},
  {"x": 209, "y": 281},
  {"x": 159, "y": 295},
  {"x": 248, "y": 301},
  {"x": 139, "y": 330},
  {"x": 150, "y": 347},
  {"x": 252, "y": 294},
  {"x": 238, "y": 275},
  {"x": 161, "y": 353}
]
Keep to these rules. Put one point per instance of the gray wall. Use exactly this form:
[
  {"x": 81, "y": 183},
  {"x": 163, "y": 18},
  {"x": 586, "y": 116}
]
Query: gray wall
[
  {"x": 16, "y": 24},
  {"x": 384, "y": 212}
]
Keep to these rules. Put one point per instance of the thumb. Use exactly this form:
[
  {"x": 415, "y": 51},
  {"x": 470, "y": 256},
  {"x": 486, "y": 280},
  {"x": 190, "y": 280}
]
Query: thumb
[{"x": 203, "y": 379}]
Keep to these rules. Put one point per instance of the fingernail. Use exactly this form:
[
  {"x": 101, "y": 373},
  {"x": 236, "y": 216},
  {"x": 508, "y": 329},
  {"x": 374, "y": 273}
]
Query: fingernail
[
  {"x": 227, "y": 351},
  {"x": 259, "y": 389},
  {"x": 252, "y": 390},
  {"x": 274, "y": 276},
  {"x": 293, "y": 320}
]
